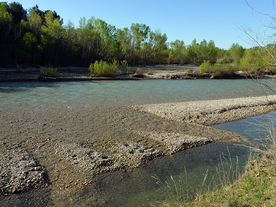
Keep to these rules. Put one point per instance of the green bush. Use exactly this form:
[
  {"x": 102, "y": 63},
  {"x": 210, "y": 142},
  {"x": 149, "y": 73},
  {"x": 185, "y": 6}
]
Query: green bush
[
  {"x": 230, "y": 69},
  {"x": 225, "y": 70},
  {"x": 150, "y": 72},
  {"x": 48, "y": 71},
  {"x": 103, "y": 68},
  {"x": 124, "y": 67},
  {"x": 206, "y": 67},
  {"x": 190, "y": 70}
]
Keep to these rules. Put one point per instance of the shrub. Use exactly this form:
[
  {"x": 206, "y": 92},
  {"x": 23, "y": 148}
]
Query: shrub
[
  {"x": 150, "y": 72},
  {"x": 103, "y": 68},
  {"x": 206, "y": 67},
  {"x": 124, "y": 67},
  {"x": 190, "y": 70},
  {"x": 230, "y": 69},
  {"x": 139, "y": 72},
  {"x": 48, "y": 71},
  {"x": 225, "y": 70}
]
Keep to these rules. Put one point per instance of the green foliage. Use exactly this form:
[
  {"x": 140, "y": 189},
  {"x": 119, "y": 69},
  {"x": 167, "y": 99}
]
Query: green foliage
[
  {"x": 230, "y": 69},
  {"x": 254, "y": 60},
  {"x": 124, "y": 67},
  {"x": 18, "y": 12},
  {"x": 48, "y": 71},
  {"x": 29, "y": 38},
  {"x": 190, "y": 70},
  {"x": 44, "y": 39},
  {"x": 206, "y": 67},
  {"x": 150, "y": 72},
  {"x": 225, "y": 69},
  {"x": 103, "y": 68},
  {"x": 4, "y": 14},
  {"x": 218, "y": 69},
  {"x": 35, "y": 22},
  {"x": 177, "y": 52},
  {"x": 236, "y": 53}
]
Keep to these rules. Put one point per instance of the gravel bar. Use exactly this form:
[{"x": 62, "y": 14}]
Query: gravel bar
[{"x": 211, "y": 112}]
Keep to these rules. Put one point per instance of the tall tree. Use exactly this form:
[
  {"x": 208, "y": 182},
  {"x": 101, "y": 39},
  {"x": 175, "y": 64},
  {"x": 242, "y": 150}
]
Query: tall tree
[
  {"x": 236, "y": 52},
  {"x": 9, "y": 33},
  {"x": 18, "y": 12}
]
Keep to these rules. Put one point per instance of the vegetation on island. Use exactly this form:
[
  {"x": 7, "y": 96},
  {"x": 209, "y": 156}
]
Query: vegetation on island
[{"x": 37, "y": 38}]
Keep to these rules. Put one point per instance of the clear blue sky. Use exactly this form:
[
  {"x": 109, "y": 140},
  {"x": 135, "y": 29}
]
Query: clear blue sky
[{"x": 180, "y": 19}]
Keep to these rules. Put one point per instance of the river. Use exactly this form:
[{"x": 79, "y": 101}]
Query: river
[{"x": 25, "y": 106}]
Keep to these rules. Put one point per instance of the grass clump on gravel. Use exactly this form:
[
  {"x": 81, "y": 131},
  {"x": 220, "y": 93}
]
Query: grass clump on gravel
[
  {"x": 48, "y": 71},
  {"x": 150, "y": 72}
]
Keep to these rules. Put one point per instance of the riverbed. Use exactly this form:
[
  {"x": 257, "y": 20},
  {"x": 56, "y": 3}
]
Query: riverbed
[{"x": 44, "y": 118}]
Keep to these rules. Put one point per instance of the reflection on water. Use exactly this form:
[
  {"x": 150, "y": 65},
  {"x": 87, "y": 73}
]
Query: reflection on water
[{"x": 135, "y": 187}]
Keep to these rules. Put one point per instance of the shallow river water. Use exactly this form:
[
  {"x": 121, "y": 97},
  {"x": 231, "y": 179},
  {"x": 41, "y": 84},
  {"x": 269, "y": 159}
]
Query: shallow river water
[{"x": 84, "y": 111}]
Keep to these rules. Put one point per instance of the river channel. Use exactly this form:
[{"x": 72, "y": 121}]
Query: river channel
[{"x": 95, "y": 114}]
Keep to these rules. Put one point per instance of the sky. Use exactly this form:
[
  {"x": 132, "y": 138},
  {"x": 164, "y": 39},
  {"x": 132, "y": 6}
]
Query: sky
[{"x": 217, "y": 20}]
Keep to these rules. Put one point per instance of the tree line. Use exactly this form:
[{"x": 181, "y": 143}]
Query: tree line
[{"x": 35, "y": 38}]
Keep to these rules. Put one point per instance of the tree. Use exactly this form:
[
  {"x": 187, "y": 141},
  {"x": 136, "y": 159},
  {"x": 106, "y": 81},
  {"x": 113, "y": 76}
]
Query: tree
[
  {"x": 212, "y": 54},
  {"x": 159, "y": 47},
  {"x": 139, "y": 35},
  {"x": 9, "y": 33},
  {"x": 177, "y": 52},
  {"x": 264, "y": 42},
  {"x": 253, "y": 60},
  {"x": 35, "y": 22},
  {"x": 43, "y": 13},
  {"x": 18, "y": 12},
  {"x": 236, "y": 52},
  {"x": 192, "y": 52},
  {"x": 123, "y": 39}
]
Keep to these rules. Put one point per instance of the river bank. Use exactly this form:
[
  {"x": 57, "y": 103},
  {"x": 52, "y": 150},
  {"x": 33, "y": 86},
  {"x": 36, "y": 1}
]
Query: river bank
[{"x": 73, "y": 73}]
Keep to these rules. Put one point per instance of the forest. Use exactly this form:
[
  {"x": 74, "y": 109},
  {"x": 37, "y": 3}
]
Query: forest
[{"x": 38, "y": 38}]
